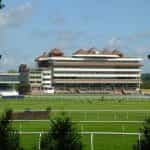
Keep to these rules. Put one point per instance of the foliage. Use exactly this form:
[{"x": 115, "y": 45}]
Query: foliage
[
  {"x": 146, "y": 81},
  {"x": 146, "y": 77},
  {"x": 12, "y": 71},
  {"x": 9, "y": 138},
  {"x": 49, "y": 109},
  {"x": 145, "y": 85},
  {"x": 24, "y": 88},
  {"x": 144, "y": 143},
  {"x": 62, "y": 135},
  {"x": 1, "y": 5}
]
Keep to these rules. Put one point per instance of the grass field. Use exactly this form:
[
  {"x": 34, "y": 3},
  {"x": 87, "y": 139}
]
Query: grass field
[{"x": 90, "y": 113}]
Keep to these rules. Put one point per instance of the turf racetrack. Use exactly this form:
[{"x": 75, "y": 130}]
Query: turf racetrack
[{"x": 89, "y": 113}]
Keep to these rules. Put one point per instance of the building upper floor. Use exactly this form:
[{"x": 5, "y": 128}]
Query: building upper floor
[{"x": 88, "y": 58}]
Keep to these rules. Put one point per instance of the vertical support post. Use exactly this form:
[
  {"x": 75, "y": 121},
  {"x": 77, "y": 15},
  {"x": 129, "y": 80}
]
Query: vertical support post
[
  {"x": 70, "y": 114},
  {"x": 98, "y": 115},
  {"x": 20, "y": 127},
  {"x": 139, "y": 139},
  {"x": 147, "y": 115},
  {"x": 139, "y": 81},
  {"x": 85, "y": 115},
  {"x": 127, "y": 115},
  {"x": 82, "y": 128},
  {"x": 123, "y": 129},
  {"x": 115, "y": 117},
  {"x": 92, "y": 144},
  {"x": 61, "y": 101},
  {"x": 39, "y": 146}
]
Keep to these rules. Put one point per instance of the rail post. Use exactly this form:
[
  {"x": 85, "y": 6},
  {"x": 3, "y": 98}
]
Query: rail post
[
  {"x": 139, "y": 139},
  {"x": 39, "y": 146},
  {"x": 92, "y": 144}
]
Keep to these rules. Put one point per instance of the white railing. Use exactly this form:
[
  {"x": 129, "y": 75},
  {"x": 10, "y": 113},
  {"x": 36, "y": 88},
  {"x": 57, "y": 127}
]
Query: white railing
[
  {"x": 96, "y": 69},
  {"x": 94, "y": 75},
  {"x": 91, "y": 136}
]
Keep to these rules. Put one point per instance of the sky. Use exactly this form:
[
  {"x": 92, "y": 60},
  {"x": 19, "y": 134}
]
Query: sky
[{"x": 30, "y": 27}]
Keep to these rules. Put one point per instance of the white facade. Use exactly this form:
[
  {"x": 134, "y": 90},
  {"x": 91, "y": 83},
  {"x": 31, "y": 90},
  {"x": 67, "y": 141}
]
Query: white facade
[
  {"x": 40, "y": 80},
  {"x": 89, "y": 72}
]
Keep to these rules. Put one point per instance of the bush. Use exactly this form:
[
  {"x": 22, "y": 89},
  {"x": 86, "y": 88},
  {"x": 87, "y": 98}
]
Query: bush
[
  {"x": 144, "y": 143},
  {"x": 61, "y": 136},
  {"x": 9, "y": 138},
  {"x": 24, "y": 88}
]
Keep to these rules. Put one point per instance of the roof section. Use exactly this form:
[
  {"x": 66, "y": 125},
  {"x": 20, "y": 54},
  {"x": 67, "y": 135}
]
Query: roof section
[
  {"x": 91, "y": 53},
  {"x": 81, "y": 51},
  {"x": 56, "y": 52},
  {"x": 117, "y": 52},
  {"x": 94, "y": 52}
]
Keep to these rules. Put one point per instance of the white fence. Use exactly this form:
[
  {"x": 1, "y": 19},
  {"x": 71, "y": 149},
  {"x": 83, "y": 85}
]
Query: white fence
[
  {"x": 88, "y": 133},
  {"x": 83, "y": 121}
]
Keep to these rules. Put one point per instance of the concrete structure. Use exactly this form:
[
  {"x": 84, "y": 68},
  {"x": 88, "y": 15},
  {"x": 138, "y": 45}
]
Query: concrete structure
[
  {"x": 86, "y": 71},
  {"x": 8, "y": 81},
  {"x": 40, "y": 80}
]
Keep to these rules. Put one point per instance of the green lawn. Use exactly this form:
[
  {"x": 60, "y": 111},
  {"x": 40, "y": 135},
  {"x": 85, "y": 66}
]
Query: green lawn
[
  {"x": 117, "y": 110},
  {"x": 73, "y": 102},
  {"x": 29, "y": 142},
  {"x": 114, "y": 142},
  {"x": 101, "y": 142},
  {"x": 115, "y": 127}
]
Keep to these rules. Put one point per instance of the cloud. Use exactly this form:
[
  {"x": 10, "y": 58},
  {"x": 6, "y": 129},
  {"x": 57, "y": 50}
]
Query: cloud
[
  {"x": 15, "y": 17},
  {"x": 114, "y": 43},
  {"x": 9, "y": 61},
  {"x": 57, "y": 20},
  {"x": 67, "y": 39},
  {"x": 62, "y": 38},
  {"x": 56, "y": 17},
  {"x": 69, "y": 35},
  {"x": 12, "y": 19},
  {"x": 126, "y": 42},
  {"x": 138, "y": 36},
  {"x": 41, "y": 34}
]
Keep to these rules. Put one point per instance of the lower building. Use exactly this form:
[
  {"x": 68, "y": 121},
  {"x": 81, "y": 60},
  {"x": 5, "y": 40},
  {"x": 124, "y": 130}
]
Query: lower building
[
  {"x": 8, "y": 83},
  {"x": 40, "y": 81}
]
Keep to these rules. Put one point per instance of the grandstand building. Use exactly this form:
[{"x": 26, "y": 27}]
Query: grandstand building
[{"x": 86, "y": 71}]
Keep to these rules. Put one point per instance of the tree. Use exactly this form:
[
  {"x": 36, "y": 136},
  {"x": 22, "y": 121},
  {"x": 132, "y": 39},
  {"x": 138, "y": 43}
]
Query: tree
[
  {"x": 62, "y": 135},
  {"x": 144, "y": 143},
  {"x": 24, "y": 88},
  {"x": 9, "y": 138},
  {"x": 12, "y": 71},
  {"x": 1, "y": 5}
]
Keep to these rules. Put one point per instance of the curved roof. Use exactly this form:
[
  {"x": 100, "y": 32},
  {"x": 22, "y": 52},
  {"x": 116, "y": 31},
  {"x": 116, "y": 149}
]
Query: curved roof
[
  {"x": 94, "y": 51},
  {"x": 80, "y": 51},
  {"x": 55, "y": 52},
  {"x": 117, "y": 52}
]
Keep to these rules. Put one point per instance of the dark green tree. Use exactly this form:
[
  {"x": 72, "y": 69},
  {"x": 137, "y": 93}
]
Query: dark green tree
[
  {"x": 62, "y": 135},
  {"x": 9, "y": 138},
  {"x": 1, "y": 4},
  {"x": 144, "y": 143},
  {"x": 24, "y": 88}
]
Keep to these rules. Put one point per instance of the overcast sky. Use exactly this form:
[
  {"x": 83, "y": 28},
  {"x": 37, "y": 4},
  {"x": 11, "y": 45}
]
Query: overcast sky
[{"x": 30, "y": 27}]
